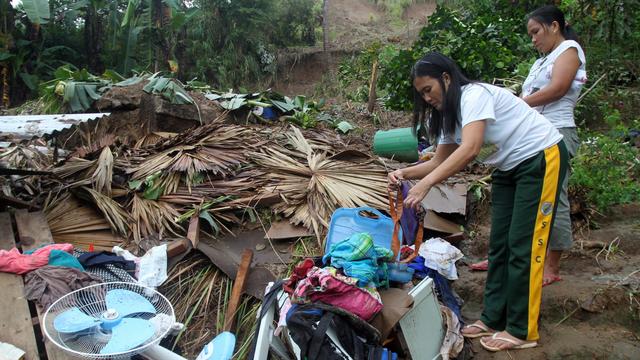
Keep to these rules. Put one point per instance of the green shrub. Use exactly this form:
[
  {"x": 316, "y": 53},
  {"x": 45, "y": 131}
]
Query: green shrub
[
  {"x": 607, "y": 170},
  {"x": 485, "y": 45}
]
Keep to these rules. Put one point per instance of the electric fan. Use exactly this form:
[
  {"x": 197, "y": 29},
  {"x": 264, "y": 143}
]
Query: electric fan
[{"x": 109, "y": 320}]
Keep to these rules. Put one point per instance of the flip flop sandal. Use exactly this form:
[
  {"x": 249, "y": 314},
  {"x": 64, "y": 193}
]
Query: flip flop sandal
[
  {"x": 516, "y": 345},
  {"x": 550, "y": 280},
  {"x": 485, "y": 331}
]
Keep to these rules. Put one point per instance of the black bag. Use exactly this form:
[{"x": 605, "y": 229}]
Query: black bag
[{"x": 308, "y": 325}]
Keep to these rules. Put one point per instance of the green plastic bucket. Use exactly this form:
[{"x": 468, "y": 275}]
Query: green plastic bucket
[{"x": 400, "y": 144}]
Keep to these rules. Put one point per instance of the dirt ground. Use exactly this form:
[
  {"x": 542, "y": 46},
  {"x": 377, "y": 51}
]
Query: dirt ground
[{"x": 610, "y": 329}]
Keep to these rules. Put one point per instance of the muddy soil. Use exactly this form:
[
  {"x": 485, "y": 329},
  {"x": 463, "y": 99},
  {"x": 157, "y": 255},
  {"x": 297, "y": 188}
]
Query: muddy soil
[{"x": 587, "y": 315}]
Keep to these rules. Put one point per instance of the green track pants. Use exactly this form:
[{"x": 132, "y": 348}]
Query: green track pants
[{"x": 523, "y": 204}]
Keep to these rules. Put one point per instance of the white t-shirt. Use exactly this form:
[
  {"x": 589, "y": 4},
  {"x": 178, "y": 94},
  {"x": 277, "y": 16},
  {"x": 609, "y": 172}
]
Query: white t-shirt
[
  {"x": 514, "y": 132},
  {"x": 559, "y": 112}
]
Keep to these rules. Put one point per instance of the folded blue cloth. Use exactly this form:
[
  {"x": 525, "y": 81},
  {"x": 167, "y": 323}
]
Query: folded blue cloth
[{"x": 358, "y": 257}]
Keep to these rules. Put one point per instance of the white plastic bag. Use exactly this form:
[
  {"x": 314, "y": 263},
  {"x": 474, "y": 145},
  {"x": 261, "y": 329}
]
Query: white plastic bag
[
  {"x": 441, "y": 256},
  {"x": 151, "y": 268}
]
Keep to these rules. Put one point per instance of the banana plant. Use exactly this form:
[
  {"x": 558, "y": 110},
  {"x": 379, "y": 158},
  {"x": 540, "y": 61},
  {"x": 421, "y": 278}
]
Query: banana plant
[
  {"x": 37, "y": 11},
  {"x": 144, "y": 33}
]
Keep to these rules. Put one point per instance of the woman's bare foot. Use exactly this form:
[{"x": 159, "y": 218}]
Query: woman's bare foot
[{"x": 552, "y": 268}]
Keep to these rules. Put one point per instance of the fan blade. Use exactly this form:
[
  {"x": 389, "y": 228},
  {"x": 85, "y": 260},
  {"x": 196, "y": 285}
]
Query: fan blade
[
  {"x": 127, "y": 302},
  {"x": 220, "y": 348},
  {"x": 127, "y": 335},
  {"x": 74, "y": 320}
]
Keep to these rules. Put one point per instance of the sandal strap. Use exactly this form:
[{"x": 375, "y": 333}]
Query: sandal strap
[
  {"x": 478, "y": 326},
  {"x": 511, "y": 341}
]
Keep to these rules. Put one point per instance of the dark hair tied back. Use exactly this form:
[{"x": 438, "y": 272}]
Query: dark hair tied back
[{"x": 546, "y": 15}]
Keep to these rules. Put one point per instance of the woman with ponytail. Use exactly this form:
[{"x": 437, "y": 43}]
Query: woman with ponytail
[
  {"x": 552, "y": 88},
  {"x": 471, "y": 120}
]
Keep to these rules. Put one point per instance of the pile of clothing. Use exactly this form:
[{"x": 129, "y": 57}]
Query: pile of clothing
[
  {"x": 54, "y": 270},
  {"x": 351, "y": 290}
]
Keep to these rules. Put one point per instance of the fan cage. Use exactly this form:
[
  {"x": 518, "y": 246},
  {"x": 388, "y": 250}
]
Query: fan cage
[{"x": 91, "y": 300}]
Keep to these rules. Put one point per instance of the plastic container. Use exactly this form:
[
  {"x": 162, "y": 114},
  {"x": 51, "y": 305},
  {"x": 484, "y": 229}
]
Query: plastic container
[
  {"x": 422, "y": 326},
  {"x": 400, "y": 144},
  {"x": 348, "y": 221},
  {"x": 398, "y": 272}
]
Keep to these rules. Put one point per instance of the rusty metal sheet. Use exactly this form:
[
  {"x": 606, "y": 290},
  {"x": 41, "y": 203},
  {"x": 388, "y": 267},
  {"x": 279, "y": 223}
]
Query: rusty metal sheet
[
  {"x": 226, "y": 252},
  {"x": 285, "y": 230},
  {"x": 29, "y": 126}
]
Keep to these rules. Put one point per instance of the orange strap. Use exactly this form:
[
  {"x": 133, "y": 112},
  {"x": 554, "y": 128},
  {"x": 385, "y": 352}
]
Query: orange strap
[
  {"x": 396, "y": 214},
  {"x": 395, "y": 209}
]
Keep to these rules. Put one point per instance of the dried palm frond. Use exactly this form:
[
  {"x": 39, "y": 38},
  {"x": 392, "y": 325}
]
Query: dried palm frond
[
  {"x": 311, "y": 190},
  {"x": 152, "y": 217},
  {"x": 85, "y": 150},
  {"x": 215, "y": 212},
  {"x": 25, "y": 157},
  {"x": 72, "y": 167},
  {"x": 243, "y": 185},
  {"x": 190, "y": 161},
  {"x": 72, "y": 222},
  {"x": 200, "y": 292},
  {"x": 184, "y": 158},
  {"x": 103, "y": 174},
  {"x": 153, "y": 138},
  {"x": 209, "y": 134},
  {"x": 117, "y": 217}
]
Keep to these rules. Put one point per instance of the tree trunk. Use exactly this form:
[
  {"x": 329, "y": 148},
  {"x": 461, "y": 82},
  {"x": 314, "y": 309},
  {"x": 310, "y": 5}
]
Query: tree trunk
[
  {"x": 156, "y": 13},
  {"x": 168, "y": 38},
  {"x": 372, "y": 87},
  {"x": 93, "y": 39},
  {"x": 161, "y": 22},
  {"x": 325, "y": 25},
  {"x": 6, "y": 28}
]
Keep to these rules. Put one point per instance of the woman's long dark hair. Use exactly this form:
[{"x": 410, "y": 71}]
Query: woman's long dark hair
[
  {"x": 546, "y": 15},
  {"x": 444, "y": 122}
]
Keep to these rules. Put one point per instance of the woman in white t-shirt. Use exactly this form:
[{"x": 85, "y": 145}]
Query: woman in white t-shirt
[
  {"x": 553, "y": 87},
  {"x": 487, "y": 123}
]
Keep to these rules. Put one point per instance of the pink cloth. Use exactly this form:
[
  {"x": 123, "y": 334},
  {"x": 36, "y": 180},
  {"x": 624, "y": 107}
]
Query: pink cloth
[
  {"x": 13, "y": 261},
  {"x": 327, "y": 286}
]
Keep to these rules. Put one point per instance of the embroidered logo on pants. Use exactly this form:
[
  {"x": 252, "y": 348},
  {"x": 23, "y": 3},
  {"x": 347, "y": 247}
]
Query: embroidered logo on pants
[{"x": 546, "y": 208}]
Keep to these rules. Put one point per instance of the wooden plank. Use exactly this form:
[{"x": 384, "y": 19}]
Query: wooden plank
[
  {"x": 15, "y": 318},
  {"x": 238, "y": 288},
  {"x": 17, "y": 203},
  {"x": 193, "y": 232},
  {"x": 177, "y": 247},
  {"x": 33, "y": 229},
  {"x": 33, "y": 232}
]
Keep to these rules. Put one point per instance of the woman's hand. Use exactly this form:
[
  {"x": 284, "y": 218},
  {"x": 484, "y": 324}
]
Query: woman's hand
[
  {"x": 394, "y": 179},
  {"x": 416, "y": 195}
]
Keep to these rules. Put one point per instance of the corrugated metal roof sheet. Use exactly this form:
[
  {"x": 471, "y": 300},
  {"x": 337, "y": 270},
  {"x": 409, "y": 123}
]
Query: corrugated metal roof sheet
[{"x": 29, "y": 126}]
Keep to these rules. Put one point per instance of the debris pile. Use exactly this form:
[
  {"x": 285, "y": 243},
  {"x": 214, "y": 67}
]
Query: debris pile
[
  {"x": 112, "y": 192},
  {"x": 144, "y": 175}
]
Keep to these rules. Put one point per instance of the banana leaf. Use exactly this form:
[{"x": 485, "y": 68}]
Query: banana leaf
[{"x": 37, "y": 10}]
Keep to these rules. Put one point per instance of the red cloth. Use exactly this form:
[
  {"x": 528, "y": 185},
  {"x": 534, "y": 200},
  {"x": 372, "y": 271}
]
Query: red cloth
[
  {"x": 13, "y": 261},
  {"x": 328, "y": 286},
  {"x": 299, "y": 272}
]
